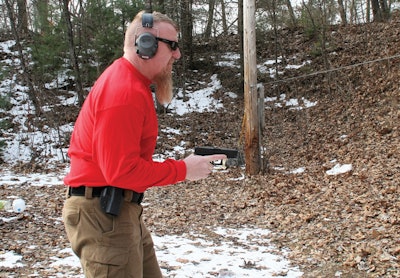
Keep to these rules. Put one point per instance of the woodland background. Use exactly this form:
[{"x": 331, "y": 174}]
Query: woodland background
[
  {"x": 346, "y": 225},
  {"x": 79, "y": 39}
]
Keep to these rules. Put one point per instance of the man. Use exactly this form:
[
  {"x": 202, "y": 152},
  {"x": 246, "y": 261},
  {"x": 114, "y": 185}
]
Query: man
[{"x": 111, "y": 155}]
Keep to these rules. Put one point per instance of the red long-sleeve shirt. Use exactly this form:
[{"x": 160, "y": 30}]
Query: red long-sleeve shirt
[{"x": 115, "y": 135}]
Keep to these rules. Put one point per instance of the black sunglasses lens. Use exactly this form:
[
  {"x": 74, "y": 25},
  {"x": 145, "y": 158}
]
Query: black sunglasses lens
[{"x": 174, "y": 45}]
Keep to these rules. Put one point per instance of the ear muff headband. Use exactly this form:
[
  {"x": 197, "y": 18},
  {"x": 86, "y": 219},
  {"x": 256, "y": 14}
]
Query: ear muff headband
[
  {"x": 146, "y": 44},
  {"x": 147, "y": 20}
]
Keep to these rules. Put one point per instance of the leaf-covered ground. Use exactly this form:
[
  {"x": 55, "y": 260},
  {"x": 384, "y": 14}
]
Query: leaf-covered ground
[{"x": 344, "y": 225}]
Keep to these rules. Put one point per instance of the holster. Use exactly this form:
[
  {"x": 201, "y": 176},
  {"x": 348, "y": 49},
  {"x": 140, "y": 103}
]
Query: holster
[{"x": 111, "y": 200}]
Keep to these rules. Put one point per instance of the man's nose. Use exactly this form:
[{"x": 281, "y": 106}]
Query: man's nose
[{"x": 177, "y": 54}]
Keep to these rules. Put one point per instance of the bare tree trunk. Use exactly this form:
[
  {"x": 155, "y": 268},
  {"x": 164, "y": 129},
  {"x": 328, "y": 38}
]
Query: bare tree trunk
[
  {"x": 186, "y": 29},
  {"x": 241, "y": 41},
  {"x": 342, "y": 12},
  {"x": 186, "y": 23},
  {"x": 41, "y": 19},
  {"x": 24, "y": 64},
  {"x": 211, "y": 6},
  {"x": 376, "y": 11},
  {"x": 161, "y": 5},
  {"x": 352, "y": 11},
  {"x": 74, "y": 59},
  {"x": 275, "y": 28},
  {"x": 148, "y": 7},
  {"x": 291, "y": 13},
  {"x": 309, "y": 14},
  {"x": 224, "y": 23},
  {"x": 385, "y": 9},
  {"x": 22, "y": 18}
]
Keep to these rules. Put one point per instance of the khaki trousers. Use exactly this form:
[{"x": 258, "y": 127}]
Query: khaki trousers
[{"x": 110, "y": 246}]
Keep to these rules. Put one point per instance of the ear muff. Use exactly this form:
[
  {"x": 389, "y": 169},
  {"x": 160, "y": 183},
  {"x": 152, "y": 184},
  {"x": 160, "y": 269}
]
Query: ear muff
[{"x": 146, "y": 44}]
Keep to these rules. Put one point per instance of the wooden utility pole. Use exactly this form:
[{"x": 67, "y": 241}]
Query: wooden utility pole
[{"x": 251, "y": 106}]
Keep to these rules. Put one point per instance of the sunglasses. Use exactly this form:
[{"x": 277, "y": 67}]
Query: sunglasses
[{"x": 172, "y": 44}]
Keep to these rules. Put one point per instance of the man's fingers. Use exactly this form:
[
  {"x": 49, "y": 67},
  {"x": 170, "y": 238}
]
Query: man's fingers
[
  {"x": 214, "y": 157},
  {"x": 199, "y": 167}
]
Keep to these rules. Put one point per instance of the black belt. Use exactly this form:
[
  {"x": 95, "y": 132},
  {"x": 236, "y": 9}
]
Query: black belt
[{"x": 96, "y": 192}]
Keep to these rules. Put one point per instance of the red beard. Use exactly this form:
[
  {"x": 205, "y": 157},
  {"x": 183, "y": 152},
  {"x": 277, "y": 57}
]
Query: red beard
[{"x": 164, "y": 83}]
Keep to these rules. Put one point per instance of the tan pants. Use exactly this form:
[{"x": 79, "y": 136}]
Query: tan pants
[{"x": 109, "y": 246}]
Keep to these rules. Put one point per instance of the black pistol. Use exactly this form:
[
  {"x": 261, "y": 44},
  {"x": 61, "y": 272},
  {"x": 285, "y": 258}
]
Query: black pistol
[{"x": 234, "y": 157}]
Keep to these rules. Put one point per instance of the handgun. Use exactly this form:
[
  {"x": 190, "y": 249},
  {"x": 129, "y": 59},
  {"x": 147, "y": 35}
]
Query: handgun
[{"x": 234, "y": 157}]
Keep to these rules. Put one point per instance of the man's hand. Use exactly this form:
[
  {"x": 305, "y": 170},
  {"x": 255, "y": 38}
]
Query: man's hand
[{"x": 199, "y": 167}]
